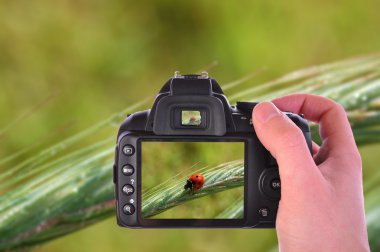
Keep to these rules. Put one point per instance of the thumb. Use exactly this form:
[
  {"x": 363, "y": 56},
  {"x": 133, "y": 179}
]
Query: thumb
[{"x": 284, "y": 140}]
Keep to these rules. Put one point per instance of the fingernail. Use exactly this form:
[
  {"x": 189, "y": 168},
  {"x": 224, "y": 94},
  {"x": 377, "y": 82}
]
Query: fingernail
[{"x": 265, "y": 111}]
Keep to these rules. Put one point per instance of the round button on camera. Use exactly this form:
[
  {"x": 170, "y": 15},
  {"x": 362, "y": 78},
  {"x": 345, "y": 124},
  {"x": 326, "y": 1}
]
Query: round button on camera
[
  {"x": 275, "y": 184},
  {"x": 270, "y": 184},
  {"x": 264, "y": 212},
  {"x": 128, "y": 209},
  {"x": 128, "y": 170},
  {"x": 128, "y": 150},
  {"x": 128, "y": 189}
]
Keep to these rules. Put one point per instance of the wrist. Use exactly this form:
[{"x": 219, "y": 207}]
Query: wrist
[{"x": 292, "y": 243}]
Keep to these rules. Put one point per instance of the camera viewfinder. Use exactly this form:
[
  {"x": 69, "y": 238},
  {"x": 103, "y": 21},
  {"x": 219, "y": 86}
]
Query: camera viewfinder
[{"x": 191, "y": 118}]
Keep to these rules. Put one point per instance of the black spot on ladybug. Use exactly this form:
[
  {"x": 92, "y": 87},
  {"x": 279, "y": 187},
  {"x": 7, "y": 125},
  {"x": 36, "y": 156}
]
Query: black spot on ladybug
[
  {"x": 196, "y": 176},
  {"x": 199, "y": 183}
]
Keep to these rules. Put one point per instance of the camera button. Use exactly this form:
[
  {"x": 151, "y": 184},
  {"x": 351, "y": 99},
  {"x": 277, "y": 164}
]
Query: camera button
[
  {"x": 264, "y": 211},
  {"x": 128, "y": 209},
  {"x": 128, "y": 170},
  {"x": 128, "y": 150},
  {"x": 128, "y": 189},
  {"x": 270, "y": 183},
  {"x": 275, "y": 184}
]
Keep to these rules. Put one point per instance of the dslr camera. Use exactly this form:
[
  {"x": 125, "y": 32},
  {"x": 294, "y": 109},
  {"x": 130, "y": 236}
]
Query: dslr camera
[{"x": 193, "y": 160}]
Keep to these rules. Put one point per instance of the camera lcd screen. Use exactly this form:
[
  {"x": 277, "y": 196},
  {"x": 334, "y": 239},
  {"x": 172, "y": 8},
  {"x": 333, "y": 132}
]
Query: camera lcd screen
[
  {"x": 191, "y": 118},
  {"x": 192, "y": 180}
]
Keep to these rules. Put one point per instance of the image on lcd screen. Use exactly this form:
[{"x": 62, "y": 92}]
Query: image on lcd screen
[
  {"x": 192, "y": 180},
  {"x": 191, "y": 118}
]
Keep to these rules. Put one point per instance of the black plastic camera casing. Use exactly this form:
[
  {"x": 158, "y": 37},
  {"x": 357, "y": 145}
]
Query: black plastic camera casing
[{"x": 221, "y": 122}]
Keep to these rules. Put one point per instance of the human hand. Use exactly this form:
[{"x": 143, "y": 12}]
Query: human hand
[{"x": 322, "y": 205}]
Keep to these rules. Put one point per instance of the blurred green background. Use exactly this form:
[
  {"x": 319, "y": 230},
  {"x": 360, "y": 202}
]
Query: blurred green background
[{"x": 66, "y": 65}]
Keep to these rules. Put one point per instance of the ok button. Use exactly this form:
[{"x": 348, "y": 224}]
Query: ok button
[
  {"x": 275, "y": 184},
  {"x": 270, "y": 183},
  {"x": 128, "y": 189}
]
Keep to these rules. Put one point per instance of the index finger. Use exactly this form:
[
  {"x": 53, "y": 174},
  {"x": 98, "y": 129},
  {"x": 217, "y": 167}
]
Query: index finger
[{"x": 335, "y": 129}]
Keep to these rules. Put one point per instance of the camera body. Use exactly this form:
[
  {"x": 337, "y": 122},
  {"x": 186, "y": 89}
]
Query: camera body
[{"x": 193, "y": 109}]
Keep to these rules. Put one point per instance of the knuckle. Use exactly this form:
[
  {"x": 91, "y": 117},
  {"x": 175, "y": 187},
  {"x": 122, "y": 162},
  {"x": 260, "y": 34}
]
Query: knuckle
[
  {"x": 291, "y": 136},
  {"x": 339, "y": 109}
]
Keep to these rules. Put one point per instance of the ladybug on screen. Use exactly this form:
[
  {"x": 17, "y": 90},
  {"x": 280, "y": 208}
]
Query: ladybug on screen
[
  {"x": 193, "y": 119},
  {"x": 195, "y": 182}
]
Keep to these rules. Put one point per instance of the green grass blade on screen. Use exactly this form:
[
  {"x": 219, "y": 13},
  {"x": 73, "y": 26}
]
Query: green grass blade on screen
[
  {"x": 220, "y": 178},
  {"x": 235, "y": 211},
  {"x": 64, "y": 188}
]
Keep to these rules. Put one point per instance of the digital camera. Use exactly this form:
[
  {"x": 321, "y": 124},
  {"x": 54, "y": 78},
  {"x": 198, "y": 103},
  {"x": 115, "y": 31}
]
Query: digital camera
[{"x": 193, "y": 160}]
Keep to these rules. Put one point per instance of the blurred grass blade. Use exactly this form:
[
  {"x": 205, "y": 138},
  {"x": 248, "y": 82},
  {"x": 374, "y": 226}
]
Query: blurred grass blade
[
  {"x": 240, "y": 81},
  {"x": 69, "y": 186},
  {"x": 36, "y": 143},
  {"x": 28, "y": 113},
  {"x": 372, "y": 200},
  {"x": 311, "y": 77},
  {"x": 54, "y": 150}
]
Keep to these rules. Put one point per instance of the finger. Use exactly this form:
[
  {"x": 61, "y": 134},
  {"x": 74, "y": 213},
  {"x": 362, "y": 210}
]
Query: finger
[
  {"x": 319, "y": 155},
  {"x": 335, "y": 129},
  {"x": 284, "y": 140},
  {"x": 315, "y": 148}
]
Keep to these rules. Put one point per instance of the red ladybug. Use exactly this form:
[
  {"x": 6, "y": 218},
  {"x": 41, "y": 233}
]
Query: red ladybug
[
  {"x": 195, "y": 182},
  {"x": 193, "y": 118}
]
